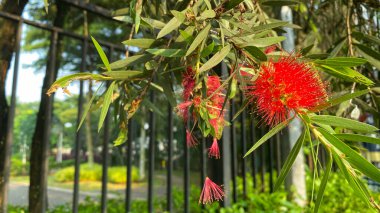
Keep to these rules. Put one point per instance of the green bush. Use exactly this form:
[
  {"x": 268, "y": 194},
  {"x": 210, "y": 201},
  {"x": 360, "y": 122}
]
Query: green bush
[
  {"x": 94, "y": 173},
  {"x": 338, "y": 198},
  {"x": 18, "y": 168},
  {"x": 118, "y": 174}
]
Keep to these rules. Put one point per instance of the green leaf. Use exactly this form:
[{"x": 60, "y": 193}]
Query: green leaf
[
  {"x": 279, "y": 2},
  {"x": 208, "y": 50},
  {"x": 66, "y": 80},
  {"x": 340, "y": 99},
  {"x": 347, "y": 74},
  {"x": 106, "y": 104},
  {"x": 186, "y": 36},
  {"x": 372, "y": 56},
  {"x": 255, "y": 52},
  {"x": 306, "y": 50},
  {"x": 322, "y": 187},
  {"x": 343, "y": 122},
  {"x": 121, "y": 137},
  {"x": 153, "y": 23},
  {"x": 228, "y": 5},
  {"x": 233, "y": 88},
  {"x": 351, "y": 179},
  {"x": 357, "y": 138},
  {"x": 341, "y": 62},
  {"x": 101, "y": 54},
  {"x": 216, "y": 59},
  {"x": 263, "y": 42},
  {"x": 166, "y": 84},
  {"x": 179, "y": 15},
  {"x": 130, "y": 61},
  {"x": 337, "y": 48},
  {"x": 269, "y": 26},
  {"x": 167, "y": 52},
  {"x": 46, "y": 4},
  {"x": 268, "y": 135},
  {"x": 290, "y": 160},
  {"x": 369, "y": 38},
  {"x": 123, "y": 75},
  {"x": 198, "y": 40},
  {"x": 208, "y": 14},
  {"x": 173, "y": 24},
  {"x": 140, "y": 42},
  {"x": 88, "y": 106},
  {"x": 352, "y": 156}
]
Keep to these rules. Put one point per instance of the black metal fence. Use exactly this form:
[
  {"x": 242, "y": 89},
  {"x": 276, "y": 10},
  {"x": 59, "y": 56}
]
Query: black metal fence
[{"x": 241, "y": 134}]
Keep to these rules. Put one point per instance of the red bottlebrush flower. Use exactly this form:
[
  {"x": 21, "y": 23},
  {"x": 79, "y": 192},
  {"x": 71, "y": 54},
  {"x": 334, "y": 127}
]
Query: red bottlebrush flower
[
  {"x": 183, "y": 109},
  {"x": 285, "y": 86},
  {"x": 190, "y": 139},
  {"x": 188, "y": 83},
  {"x": 270, "y": 49},
  {"x": 213, "y": 151},
  {"x": 213, "y": 84},
  {"x": 211, "y": 192}
]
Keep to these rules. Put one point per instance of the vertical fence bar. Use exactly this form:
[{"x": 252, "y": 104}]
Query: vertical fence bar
[
  {"x": 244, "y": 148},
  {"x": 10, "y": 121},
  {"x": 233, "y": 153},
  {"x": 129, "y": 148},
  {"x": 270, "y": 162},
  {"x": 203, "y": 160},
  {"x": 278, "y": 154},
  {"x": 169, "y": 198},
  {"x": 263, "y": 162},
  {"x": 253, "y": 154},
  {"x": 105, "y": 165},
  {"x": 152, "y": 121},
  {"x": 78, "y": 134},
  {"x": 186, "y": 172}
]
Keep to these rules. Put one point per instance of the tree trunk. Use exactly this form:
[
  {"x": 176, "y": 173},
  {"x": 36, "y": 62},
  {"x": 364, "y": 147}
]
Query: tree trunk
[
  {"x": 8, "y": 44},
  {"x": 41, "y": 139}
]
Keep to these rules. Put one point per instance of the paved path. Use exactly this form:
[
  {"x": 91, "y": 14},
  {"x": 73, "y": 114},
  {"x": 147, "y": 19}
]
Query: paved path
[{"x": 18, "y": 194}]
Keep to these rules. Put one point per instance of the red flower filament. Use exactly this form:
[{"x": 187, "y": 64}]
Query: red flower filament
[
  {"x": 213, "y": 151},
  {"x": 211, "y": 192},
  {"x": 285, "y": 86},
  {"x": 190, "y": 139}
]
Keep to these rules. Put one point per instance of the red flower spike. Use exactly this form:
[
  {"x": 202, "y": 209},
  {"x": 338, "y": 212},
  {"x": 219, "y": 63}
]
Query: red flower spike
[
  {"x": 211, "y": 192},
  {"x": 213, "y": 151},
  {"x": 285, "y": 86},
  {"x": 190, "y": 139},
  {"x": 183, "y": 109},
  {"x": 188, "y": 83}
]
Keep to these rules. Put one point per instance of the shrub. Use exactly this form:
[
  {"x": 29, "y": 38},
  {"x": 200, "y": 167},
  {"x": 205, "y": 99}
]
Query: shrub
[
  {"x": 118, "y": 174},
  {"x": 18, "y": 168},
  {"x": 94, "y": 173}
]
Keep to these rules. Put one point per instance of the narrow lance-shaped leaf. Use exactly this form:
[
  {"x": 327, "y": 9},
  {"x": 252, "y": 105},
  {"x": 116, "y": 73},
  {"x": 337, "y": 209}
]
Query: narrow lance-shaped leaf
[
  {"x": 88, "y": 106},
  {"x": 198, "y": 40},
  {"x": 352, "y": 156},
  {"x": 340, "y": 99},
  {"x": 167, "y": 52},
  {"x": 269, "y": 134},
  {"x": 358, "y": 138},
  {"x": 216, "y": 59},
  {"x": 322, "y": 187},
  {"x": 106, "y": 104},
  {"x": 140, "y": 42},
  {"x": 343, "y": 122},
  {"x": 173, "y": 24},
  {"x": 341, "y": 61},
  {"x": 101, "y": 54},
  {"x": 290, "y": 160}
]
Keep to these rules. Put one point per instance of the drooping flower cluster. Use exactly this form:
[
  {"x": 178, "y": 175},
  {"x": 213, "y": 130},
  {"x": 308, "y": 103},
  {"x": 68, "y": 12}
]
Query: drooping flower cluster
[
  {"x": 285, "y": 86},
  {"x": 208, "y": 112},
  {"x": 211, "y": 192}
]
